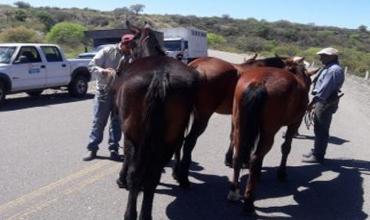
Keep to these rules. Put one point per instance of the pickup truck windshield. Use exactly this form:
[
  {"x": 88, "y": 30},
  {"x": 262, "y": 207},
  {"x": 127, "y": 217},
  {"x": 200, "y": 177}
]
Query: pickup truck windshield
[
  {"x": 173, "y": 45},
  {"x": 6, "y": 54}
]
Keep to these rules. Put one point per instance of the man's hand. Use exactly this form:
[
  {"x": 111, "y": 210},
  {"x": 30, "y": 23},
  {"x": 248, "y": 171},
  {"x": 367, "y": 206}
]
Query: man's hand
[{"x": 109, "y": 72}]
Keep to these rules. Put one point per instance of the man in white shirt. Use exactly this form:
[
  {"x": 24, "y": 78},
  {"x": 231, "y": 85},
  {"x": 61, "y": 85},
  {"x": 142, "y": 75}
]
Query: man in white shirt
[{"x": 104, "y": 65}]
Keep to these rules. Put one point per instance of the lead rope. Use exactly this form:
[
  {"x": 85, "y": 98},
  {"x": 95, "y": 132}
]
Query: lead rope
[{"x": 308, "y": 119}]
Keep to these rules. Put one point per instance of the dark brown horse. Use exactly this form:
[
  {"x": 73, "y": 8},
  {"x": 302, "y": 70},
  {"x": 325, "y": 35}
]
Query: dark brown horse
[
  {"x": 265, "y": 99},
  {"x": 154, "y": 96},
  {"x": 215, "y": 94}
]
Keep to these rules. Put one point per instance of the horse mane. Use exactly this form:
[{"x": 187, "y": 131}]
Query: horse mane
[{"x": 269, "y": 61}]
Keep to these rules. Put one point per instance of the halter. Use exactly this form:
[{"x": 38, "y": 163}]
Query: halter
[{"x": 144, "y": 40}]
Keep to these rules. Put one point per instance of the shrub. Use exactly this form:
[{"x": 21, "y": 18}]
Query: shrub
[
  {"x": 20, "y": 35},
  {"x": 67, "y": 34}
]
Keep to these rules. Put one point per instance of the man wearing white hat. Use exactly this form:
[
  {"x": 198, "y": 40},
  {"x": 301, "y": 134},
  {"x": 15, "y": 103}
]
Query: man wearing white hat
[{"x": 325, "y": 102}]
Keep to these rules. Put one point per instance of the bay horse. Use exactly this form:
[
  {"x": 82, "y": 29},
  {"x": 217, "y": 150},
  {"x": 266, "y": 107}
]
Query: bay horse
[
  {"x": 265, "y": 99},
  {"x": 215, "y": 93},
  {"x": 154, "y": 97}
]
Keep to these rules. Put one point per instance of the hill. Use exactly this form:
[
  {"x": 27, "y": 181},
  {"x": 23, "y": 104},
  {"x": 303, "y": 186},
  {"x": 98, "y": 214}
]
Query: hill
[{"x": 224, "y": 33}]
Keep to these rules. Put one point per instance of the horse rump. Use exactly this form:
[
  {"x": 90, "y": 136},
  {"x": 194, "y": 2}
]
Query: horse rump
[{"x": 251, "y": 108}]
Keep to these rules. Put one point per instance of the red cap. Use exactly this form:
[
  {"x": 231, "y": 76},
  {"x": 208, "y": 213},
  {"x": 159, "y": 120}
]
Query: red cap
[{"x": 127, "y": 38}]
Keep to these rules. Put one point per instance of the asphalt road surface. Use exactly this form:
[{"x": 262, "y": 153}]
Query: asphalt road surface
[{"x": 42, "y": 175}]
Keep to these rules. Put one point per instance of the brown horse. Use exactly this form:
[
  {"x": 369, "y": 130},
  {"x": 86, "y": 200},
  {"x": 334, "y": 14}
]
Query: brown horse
[
  {"x": 215, "y": 94},
  {"x": 154, "y": 96},
  {"x": 265, "y": 99}
]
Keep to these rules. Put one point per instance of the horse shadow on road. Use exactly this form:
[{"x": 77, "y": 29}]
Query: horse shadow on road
[
  {"x": 18, "y": 103},
  {"x": 330, "y": 191}
]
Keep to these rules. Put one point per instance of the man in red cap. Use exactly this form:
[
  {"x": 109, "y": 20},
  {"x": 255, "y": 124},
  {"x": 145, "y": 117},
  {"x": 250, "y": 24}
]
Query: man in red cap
[{"x": 104, "y": 66}]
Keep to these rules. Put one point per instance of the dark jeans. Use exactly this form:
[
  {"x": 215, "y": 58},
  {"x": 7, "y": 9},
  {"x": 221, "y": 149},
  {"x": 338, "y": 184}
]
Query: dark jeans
[{"x": 322, "y": 120}]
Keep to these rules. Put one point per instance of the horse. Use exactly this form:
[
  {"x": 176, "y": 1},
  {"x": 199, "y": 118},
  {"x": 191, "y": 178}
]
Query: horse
[
  {"x": 154, "y": 97},
  {"x": 265, "y": 99},
  {"x": 215, "y": 94}
]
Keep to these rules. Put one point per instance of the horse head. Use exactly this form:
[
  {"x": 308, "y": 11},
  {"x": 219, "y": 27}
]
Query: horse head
[{"x": 144, "y": 43}]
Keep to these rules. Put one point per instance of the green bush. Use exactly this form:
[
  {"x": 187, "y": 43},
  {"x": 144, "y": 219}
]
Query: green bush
[
  {"x": 20, "y": 35},
  {"x": 67, "y": 34},
  {"x": 215, "y": 39}
]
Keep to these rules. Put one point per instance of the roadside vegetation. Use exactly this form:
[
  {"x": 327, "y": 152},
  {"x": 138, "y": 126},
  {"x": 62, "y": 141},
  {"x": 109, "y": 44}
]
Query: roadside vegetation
[{"x": 25, "y": 23}]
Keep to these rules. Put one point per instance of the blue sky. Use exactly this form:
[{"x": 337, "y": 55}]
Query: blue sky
[{"x": 340, "y": 13}]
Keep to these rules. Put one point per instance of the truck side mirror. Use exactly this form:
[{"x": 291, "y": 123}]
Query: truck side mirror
[{"x": 21, "y": 59}]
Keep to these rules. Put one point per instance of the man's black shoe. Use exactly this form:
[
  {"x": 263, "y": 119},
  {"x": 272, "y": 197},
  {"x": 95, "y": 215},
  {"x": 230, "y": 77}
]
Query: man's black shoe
[
  {"x": 90, "y": 155},
  {"x": 312, "y": 159},
  {"x": 114, "y": 155}
]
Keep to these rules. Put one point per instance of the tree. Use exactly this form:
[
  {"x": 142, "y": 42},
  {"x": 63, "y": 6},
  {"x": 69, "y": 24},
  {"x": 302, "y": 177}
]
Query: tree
[
  {"x": 137, "y": 8},
  {"x": 21, "y": 4},
  {"x": 46, "y": 19},
  {"x": 67, "y": 33},
  {"x": 20, "y": 15},
  {"x": 20, "y": 35},
  {"x": 362, "y": 28}
]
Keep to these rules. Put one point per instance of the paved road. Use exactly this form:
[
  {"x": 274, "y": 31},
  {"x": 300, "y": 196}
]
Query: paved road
[{"x": 42, "y": 175}]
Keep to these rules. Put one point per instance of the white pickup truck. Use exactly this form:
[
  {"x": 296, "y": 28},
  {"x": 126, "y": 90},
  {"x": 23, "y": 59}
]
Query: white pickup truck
[{"x": 31, "y": 68}]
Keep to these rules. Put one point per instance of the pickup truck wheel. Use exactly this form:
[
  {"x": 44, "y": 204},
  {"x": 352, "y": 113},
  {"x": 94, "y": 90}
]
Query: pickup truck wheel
[
  {"x": 78, "y": 87},
  {"x": 2, "y": 93},
  {"x": 35, "y": 93}
]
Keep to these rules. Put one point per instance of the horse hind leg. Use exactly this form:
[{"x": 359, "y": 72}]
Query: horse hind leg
[
  {"x": 285, "y": 150},
  {"x": 131, "y": 212},
  {"x": 128, "y": 151},
  {"x": 197, "y": 129},
  {"x": 176, "y": 166},
  {"x": 234, "y": 193},
  {"x": 256, "y": 160},
  {"x": 229, "y": 153},
  {"x": 148, "y": 195}
]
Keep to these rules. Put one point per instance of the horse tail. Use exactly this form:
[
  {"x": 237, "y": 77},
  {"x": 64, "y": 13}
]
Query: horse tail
[
  {"x": 147, "y": 154},
  {"x": 252, "y": 105}
]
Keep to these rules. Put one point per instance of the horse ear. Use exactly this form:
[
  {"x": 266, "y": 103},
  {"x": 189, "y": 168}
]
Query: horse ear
[
  {"x": 147, "y": 25},
  {"x": 251, "y": 59},
  {"x": 312, "y": 72},
  {"x": 254, "y": 56},
  {"x": 132, "y": 28},
  {"x": 297, "y": 59},
  {"x": 147, "y": 28}
]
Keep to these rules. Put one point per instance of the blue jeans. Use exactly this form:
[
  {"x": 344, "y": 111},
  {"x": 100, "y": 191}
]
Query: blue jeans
[
  {"x": 322, "y": 120},
  {"x": 103, "y": 106}
]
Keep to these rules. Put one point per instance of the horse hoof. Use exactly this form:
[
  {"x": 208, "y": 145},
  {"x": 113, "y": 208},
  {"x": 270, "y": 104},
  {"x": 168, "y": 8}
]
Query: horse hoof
[
  {"x": 175, "y": 176},
  {"x": 121, "y": 184},
  {"x": 245, "y": 166},
  {"x": 228, "y": 164},
  {"x": 185, "y": 184},
  {"x": 234, "y": 196}
]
